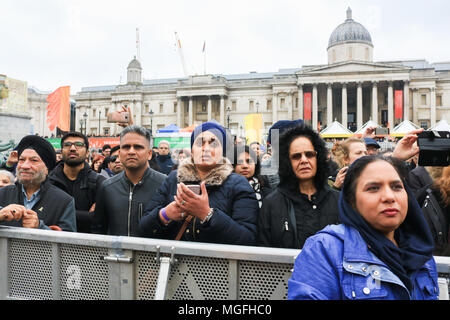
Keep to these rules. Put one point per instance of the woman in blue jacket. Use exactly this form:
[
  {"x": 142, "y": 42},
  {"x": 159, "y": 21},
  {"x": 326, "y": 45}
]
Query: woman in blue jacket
[
  {"x": 225, "y": 208},
  {"x": 382, "y": 249}
]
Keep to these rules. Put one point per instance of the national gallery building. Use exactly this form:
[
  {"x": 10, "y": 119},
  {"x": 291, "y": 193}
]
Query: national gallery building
[{"x": 351, "y": 88}]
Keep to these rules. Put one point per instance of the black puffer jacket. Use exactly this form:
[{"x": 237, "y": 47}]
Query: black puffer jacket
[
  {"x": 230, "y": 195},
  {"x": 84, "y": 191},
  {"x": 287, "y": 217}
]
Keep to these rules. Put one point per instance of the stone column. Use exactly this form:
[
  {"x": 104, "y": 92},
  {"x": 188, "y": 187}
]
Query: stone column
[
  {"x": 191, "y": 111},
  {"x": 375, "y": 101},
  {"x": 88, "y": 122},
  {"x": 300, "y": 101},
  {"x": 275, "y": 107},
  {"x": 359, "y": 106},
  {"x": 344, "y": 105},
  {"x": 315, "y": 107},
  {"x": 290, "y": 105},
  {"x": 209, "y": 108},
  {"x": 222, "y": 110},
  {"x": 329, "y": 104},
  {"x": 433, "y": 106},
  {"x": 138, "y": 112},
  {"x": 415, "y": 104},
  {"x": 180, "y": 112},
  {"x": 391, "y": 106},
  {"x": 406, "y": 100}
]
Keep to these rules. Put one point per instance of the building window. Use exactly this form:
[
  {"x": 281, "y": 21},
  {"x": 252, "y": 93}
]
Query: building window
[
  {"x": 147, "y": 108},
  {"x": 423, "y": 99},
  {"x": 175, "y": 107},
  {"x": 269, "y": 104},
  {"x": 94, "y": 113},
  {"x": 106, "y": 131},
  {"x": 161, "y": 107},
  {"x": 282, "y": 103},
  {"x": 424, "y": 124},
  {"x": 438, "y": 101},
  {"x": 106, "y": 111},
  {"x": 251, "y": 105},
  {"x": 296, "y": 103},
  {"x": 233, "y": 105}
]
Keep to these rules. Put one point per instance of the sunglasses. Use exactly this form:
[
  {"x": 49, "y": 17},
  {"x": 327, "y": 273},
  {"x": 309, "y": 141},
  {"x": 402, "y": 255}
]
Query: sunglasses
[
  {"x": 298, "y": 155},
  {"x": 77, "y": 145},
  {"x": 113, "y": 158}
]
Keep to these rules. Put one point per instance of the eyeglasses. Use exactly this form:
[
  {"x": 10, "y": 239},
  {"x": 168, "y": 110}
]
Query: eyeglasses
[
  {"x": 77, "y": 145},
  {"x": 113, "y": 158},
  {"x": 308, "y": 155}
]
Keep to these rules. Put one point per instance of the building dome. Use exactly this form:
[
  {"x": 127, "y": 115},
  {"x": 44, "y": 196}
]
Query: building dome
[
  {"x": 350, "y": 31},
  {"x": 134, "y": 64},
  {"x": 350, "y": 41}
]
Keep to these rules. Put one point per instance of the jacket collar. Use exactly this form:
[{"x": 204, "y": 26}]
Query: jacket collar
[
  {"x": 187, "y": 172},
  {"x": 144, "y": 177},
  {"x": 58, "y": 173}
]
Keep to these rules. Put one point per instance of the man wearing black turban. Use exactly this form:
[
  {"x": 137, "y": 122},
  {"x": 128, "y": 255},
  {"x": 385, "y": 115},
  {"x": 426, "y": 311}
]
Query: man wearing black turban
[{"x": 33, "y": 202}]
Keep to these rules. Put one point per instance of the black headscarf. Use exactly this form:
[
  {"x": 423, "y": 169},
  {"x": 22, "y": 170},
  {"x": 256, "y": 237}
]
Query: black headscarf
[{"x": 415, "y": 243}]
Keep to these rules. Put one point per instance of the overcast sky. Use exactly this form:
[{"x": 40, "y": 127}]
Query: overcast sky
[{"x": 82, "y": 43}]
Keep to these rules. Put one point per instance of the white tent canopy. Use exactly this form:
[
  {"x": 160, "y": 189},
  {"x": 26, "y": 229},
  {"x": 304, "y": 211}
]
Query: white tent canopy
[
  {"x": 404, "y": 128},
  {"x": 441, "y": 126},
  {"x": 369, "y": 123},
  {"x": 336, "y": 130}
]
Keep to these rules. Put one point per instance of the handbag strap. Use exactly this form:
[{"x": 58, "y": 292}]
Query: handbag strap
[{"x": 183, "y": 227}]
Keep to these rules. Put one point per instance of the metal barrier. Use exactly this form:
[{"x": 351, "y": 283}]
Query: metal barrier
[{"x": 40, "y": 264}]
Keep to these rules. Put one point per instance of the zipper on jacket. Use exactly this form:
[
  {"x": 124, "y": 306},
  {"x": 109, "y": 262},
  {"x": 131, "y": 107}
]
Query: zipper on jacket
[
  {"x": 286, "y": 225},
  {"x": 130, "y": 198}
]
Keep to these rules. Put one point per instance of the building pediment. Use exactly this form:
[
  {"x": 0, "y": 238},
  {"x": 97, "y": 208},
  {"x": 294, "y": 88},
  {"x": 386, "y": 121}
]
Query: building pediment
[{"x": 352, "y": 67}]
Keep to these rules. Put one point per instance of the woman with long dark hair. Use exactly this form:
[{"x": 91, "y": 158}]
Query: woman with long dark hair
[{"x": 303, "y": 203}]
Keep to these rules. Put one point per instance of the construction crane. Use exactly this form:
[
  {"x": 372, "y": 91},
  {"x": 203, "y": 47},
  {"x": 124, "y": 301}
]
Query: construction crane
[{"x": 180, "y": 52}]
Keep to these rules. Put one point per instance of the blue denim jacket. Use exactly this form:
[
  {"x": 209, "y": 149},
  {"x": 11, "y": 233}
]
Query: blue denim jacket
[{"x": 336, "y": 264}]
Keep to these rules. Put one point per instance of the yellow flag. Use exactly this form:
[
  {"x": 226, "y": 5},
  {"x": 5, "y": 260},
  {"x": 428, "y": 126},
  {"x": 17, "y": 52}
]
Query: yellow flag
[{"x": 253, "y": 125}]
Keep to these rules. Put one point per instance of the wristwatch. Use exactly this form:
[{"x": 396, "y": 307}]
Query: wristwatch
[{"x": 208, "y": 217}]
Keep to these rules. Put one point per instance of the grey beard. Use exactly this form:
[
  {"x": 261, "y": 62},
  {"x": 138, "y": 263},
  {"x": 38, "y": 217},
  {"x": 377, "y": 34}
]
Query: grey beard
[{"x": 36, "y": 181}]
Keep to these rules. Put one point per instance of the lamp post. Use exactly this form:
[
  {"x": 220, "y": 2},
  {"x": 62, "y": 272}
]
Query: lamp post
[
  {"x": 85, "y": 122},
  {"x": 228, "y": 117},
  {"x": 257, "y": 106},
  {"x": 151, "y": 122}
]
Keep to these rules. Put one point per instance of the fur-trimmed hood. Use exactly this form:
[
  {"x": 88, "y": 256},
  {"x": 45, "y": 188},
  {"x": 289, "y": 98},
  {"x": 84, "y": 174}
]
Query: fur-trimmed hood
[{"x": 187, "y": 172}]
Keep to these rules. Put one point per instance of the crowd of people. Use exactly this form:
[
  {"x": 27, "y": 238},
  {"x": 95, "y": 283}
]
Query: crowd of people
[{"x": 357, "y": 212}]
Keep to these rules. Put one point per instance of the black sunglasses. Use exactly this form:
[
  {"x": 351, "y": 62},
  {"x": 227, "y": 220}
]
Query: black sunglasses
[{"x": 308, "y": 155}]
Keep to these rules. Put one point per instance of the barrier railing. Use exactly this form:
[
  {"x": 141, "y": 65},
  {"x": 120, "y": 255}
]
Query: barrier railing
[{"x": 40, "y": 264}]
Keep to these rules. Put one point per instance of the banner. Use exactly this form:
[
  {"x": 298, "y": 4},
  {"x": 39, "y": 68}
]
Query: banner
[
  {"x": 307, "y": 105},
  {"x": 99, "y": 142},
  {"x": 58, "y": 109},
  {"x": 253, "y": 124},
  {"x": 398, "y": 104}
]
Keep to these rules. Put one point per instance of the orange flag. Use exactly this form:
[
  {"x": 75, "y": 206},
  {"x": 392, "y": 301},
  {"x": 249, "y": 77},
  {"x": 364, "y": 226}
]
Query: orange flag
[{"x": 58, "y": 109}]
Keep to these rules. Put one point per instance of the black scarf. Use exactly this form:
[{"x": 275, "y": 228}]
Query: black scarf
[{"x": 415, "y": 243}]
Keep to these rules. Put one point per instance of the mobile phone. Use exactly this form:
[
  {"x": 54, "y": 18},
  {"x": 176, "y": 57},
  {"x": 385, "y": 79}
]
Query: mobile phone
[
  {"x": 195, "y": 188},
  {"x": 116, "y": 116},
  {"x": 381, "y": 131}
]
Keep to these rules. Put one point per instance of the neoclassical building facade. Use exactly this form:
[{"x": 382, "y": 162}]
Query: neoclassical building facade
[{"x": 351, "y": 88}]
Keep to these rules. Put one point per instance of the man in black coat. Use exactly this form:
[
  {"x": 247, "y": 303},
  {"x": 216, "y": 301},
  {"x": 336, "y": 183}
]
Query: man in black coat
[
  {"x": 74, "y": 176},
  {"x": 33, "y": 202}
]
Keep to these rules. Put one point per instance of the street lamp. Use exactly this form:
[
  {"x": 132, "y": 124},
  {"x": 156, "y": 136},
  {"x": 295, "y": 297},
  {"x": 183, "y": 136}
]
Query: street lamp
[
  {"x": 257, "y": 106},
  {"x": 83, "y": 123},
  {"x": 228, "y": 117},
  {"x": 151, "y": 123}
]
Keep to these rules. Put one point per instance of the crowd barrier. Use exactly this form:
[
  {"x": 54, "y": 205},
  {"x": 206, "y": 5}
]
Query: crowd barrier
[{"x": 40, "y": 264}]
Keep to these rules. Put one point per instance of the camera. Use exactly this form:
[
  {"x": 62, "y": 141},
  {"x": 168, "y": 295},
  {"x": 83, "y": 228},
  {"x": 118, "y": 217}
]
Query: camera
[
  {"x": 434, "y": 148},
  {"x": 116, "y": 116},
  {"x": 381, "y": 131}
]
